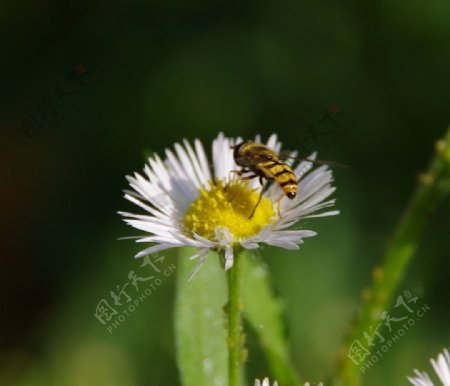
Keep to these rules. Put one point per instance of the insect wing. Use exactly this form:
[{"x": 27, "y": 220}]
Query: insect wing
[{"x": 286, "y": 154}]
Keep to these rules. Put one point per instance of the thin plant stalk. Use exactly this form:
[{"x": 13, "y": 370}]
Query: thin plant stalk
[
  {"x": 234, "y": 321},
  {"x": 433, "y": 186}
]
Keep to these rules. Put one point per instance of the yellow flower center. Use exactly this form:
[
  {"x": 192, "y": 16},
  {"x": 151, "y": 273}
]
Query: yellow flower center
[{"x": 228, "y": 205}]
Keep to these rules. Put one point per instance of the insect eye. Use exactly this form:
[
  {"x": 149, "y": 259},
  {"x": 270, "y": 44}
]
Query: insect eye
[{"x": 291, "y": 195}]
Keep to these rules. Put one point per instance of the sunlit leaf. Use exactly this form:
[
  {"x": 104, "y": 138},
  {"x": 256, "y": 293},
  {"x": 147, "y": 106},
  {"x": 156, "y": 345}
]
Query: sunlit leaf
[
  {"x": 263, "y": 311},
  {"x": 200, "y": 322}
]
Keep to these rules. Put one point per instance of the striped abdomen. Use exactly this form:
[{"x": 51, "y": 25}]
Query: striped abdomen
[{"x": 283, "y": 176}]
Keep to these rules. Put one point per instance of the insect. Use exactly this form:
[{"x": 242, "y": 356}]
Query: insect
[{"x": 263, "y": 162}]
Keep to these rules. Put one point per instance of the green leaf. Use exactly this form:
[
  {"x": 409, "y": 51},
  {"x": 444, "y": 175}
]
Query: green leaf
[
  {"x": 264, "y": 311},
  {"x": 200, "y": 327}
]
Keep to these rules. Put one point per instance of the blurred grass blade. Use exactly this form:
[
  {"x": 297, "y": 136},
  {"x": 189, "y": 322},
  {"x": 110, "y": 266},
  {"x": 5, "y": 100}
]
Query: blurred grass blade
[
  {"x": 200, "y": 328},
  {"x": 433, "y": 187},
  {"x": 264, "y": 313}
]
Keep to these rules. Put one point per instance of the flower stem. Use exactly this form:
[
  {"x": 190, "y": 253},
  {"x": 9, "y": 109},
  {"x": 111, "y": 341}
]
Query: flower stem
[
  {"x": 432, "y": 188},
  {"x": 234, "y": 321}
]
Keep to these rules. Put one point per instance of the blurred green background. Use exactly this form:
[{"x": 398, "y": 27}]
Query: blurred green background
[{"x": 89, "y": 89}]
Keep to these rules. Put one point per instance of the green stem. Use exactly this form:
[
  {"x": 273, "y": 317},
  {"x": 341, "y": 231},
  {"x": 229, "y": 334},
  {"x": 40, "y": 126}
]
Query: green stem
[
  {"x": 432, "y": 188},
  {"x": 234, "y": 321}
]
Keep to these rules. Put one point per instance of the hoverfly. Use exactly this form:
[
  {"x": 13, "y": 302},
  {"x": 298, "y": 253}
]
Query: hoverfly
[{"x": 263, "y": 162}]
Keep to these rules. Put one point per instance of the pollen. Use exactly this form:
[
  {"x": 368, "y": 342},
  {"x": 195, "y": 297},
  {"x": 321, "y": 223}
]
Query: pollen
[{"x": 228, "y": 205}]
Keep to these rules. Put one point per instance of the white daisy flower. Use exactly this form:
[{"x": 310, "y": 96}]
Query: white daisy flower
[
  {"x": 319, "y": 384},
  {"x": 188, "y": 204},
  {"x": 442, "y": 368},
  {"x": 265, "y": 382}
]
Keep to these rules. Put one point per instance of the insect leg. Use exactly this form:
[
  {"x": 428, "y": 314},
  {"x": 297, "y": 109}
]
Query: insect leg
[
  {"x": 250, "y": 177},
  {"x": 261, "y": 181},
  {"x": 240, "y": 172}
]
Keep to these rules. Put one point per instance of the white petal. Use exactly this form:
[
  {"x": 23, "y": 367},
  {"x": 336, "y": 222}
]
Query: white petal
[
  {"x": 223, "y": 157},
  {"x": 441, "y": 366},
  {"x": 247, "y": 244},
  {"x": 283, "y": 244},
  {"x": 223, "y": 236},
  {"x": 188, "y": 166},
  {"x": 199, "y": 264},
  {"x": 304, "y": 166},
  {"x": 273, "y": 143},
  {"x": 151, "y": 226},
  {"x": 421, "y": 379},
  {"x": 184, "y": 189},
  {"x": 144, "y": 206},
  {"x": 265, "y": 382},
  {"x": 152, "y": 190},
  {"x": 156, "y": 248},
  {"x": 228, "y": 258},
  {"x": 206, "y": 242},
  {"x": 301, "y": 211},
  {"x": 203, "y": 176},
  {"x": 203, "y": 160},
  {"x": 324, "y": 214}
]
